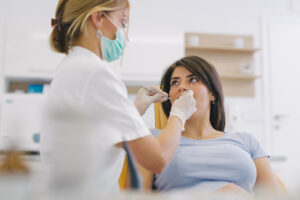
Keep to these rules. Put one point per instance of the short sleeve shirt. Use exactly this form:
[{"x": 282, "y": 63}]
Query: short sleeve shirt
[
  {"x": 86, "y": 99},
  {"x": 208, "y": 165}
]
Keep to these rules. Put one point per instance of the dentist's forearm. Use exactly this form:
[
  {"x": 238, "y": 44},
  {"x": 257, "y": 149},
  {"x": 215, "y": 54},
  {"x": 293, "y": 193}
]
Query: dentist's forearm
[{"x": 170, "y": 137}]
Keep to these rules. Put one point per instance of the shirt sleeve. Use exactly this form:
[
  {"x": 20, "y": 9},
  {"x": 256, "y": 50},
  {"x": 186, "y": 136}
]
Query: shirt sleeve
[
  {"x": 254, "y": 147},
  {"x": 106, "y": 98},
  {"x": 155, "y": 132}
]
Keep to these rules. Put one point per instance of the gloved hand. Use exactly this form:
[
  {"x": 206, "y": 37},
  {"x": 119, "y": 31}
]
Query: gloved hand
[
  {"x": 145, "y": 98},
  {"x": 184, "y": 107}
]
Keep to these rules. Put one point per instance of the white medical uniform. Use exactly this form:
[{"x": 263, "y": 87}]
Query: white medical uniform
[{"x": 87, "y": 100}]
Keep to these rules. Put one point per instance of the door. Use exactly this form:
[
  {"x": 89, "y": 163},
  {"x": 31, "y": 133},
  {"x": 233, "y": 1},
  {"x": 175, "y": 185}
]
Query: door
[{"x": 284, "y": 80}]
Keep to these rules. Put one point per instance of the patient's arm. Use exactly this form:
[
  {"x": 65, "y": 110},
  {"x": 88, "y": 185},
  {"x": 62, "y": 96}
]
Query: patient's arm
[
  {"x": 234, "y": 189},
  {"x": 147, "y": 177},
  {"x": 265, "y": 178}
]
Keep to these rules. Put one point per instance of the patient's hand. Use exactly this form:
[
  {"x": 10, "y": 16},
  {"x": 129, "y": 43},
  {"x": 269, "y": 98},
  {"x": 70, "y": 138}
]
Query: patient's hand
[{"x": 234, "y": 189}]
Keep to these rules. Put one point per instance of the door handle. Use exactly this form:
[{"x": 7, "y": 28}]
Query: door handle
[{"x": 279, "y": 117}]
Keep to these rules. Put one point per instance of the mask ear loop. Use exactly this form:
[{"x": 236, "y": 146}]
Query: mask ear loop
[
  {"x": 116, "y": 25},
  {"x": 99, "y": 33},
  {"x": 110, "y": 19}
]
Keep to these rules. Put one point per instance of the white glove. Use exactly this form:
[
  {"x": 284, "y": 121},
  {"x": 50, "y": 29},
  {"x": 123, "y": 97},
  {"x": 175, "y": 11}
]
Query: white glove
[
  {"x": 184, "y": 107},
  {"x": 145, "y": 98}
]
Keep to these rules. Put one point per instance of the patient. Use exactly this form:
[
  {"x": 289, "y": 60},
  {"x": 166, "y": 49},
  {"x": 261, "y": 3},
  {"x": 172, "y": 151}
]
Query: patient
[{"x": 209, "y": 159}]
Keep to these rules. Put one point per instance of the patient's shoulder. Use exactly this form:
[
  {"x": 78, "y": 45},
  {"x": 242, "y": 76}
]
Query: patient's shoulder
[{"x": 243, "y": 136}]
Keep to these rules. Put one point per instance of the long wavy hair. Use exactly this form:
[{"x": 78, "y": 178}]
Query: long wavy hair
[{"x": 209, "y": 76}]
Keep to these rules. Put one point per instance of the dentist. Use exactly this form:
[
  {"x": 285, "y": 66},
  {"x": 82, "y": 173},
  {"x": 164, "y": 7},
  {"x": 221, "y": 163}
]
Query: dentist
[{"x": 87, "y": 99}]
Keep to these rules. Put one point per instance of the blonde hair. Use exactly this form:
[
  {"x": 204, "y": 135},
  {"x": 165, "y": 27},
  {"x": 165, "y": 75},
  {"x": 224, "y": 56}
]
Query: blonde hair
[{"x": 72, "y": 16}]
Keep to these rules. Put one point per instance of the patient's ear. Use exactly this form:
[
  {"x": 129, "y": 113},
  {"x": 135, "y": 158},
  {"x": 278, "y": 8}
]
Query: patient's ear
[{"x": 212, "y": 96}]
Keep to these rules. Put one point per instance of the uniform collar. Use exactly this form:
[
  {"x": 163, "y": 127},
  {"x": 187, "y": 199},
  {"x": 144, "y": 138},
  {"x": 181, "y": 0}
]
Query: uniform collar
[{"x": 81, "y": 51}]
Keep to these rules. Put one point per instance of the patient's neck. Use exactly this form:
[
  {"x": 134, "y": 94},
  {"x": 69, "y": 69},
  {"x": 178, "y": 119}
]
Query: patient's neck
[{"x": 199, "y": 128}]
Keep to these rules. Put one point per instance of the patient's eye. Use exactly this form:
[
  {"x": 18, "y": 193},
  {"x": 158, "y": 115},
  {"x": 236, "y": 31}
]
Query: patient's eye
[
  {"x": 193, "y": 80},
  {"x": 174, "y": 82}
]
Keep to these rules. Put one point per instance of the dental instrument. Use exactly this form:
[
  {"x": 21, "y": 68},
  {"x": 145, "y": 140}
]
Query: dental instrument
[{"x": 151, "y": 90}]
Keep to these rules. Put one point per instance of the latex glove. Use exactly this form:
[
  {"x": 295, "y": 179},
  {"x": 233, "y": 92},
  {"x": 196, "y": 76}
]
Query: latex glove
[
  {"x": 145, "y": 98},
  {"x": 184, "y": 107}
]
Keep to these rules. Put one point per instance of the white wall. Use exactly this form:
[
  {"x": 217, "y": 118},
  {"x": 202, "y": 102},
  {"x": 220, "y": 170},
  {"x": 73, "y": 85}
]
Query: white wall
[
  {"x": 227, "y": 16},
  {"x": 29, "y": 9}
]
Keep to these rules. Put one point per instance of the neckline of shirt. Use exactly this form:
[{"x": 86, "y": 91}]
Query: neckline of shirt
[
  {"x": 84, "y": 51},
  {"x": 199, "y": 140}
]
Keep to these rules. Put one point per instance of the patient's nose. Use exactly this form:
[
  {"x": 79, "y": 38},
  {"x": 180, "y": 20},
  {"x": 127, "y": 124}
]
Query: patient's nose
[{"x": 183, "y": 87}]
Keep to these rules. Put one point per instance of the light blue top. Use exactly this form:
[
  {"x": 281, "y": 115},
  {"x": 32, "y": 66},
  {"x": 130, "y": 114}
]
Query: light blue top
[{"x": 210, "y": 164}]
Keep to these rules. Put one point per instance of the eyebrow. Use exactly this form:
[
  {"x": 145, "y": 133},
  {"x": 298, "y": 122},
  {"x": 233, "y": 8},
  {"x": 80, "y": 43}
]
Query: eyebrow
[{"x": 188, "y": 76}]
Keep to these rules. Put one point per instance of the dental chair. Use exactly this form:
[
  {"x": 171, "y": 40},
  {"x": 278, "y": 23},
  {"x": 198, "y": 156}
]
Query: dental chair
[
  {"x": 123, "y": 177},
  {"x": 130, "y": 177},
  {"x": 160, "y": 123}
]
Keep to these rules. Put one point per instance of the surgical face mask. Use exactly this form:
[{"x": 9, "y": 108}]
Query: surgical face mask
[{"x": 112, "y": 49}]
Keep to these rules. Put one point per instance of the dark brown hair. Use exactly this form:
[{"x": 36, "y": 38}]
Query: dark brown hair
[{"x": 209, "y": 76}]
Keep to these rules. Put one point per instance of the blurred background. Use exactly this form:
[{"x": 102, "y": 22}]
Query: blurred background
[{"x": 254, "y": 44}]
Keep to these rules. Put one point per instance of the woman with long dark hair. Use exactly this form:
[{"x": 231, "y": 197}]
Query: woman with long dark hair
[{"x": 208, "y": 158}]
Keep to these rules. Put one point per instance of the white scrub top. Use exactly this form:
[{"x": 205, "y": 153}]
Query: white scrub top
[{"x": 87, "y": 112}]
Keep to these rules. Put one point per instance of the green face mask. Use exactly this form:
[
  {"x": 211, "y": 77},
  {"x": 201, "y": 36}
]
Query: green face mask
[{"x": 112, "y": 49}]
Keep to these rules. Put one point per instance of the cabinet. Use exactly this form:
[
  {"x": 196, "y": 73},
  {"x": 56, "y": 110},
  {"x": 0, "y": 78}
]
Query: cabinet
[
  {"x": 2, "y": 40},
  {"x": 232, "y": 56},
  {"x": 21, "y": 121},
  {"x": 27, "y": 50}
]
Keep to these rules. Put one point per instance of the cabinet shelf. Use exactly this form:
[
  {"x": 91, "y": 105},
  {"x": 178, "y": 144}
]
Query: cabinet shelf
[
  {"x": 28, "y": 77},
  {"x": 219, "y": 48},
  {"x": 231, "y": 55}
]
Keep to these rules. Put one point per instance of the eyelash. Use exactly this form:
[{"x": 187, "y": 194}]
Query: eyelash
[{"x": 192, "y": 78}]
